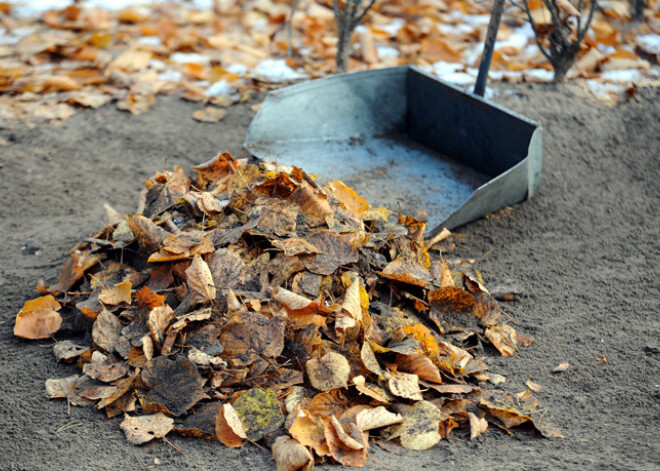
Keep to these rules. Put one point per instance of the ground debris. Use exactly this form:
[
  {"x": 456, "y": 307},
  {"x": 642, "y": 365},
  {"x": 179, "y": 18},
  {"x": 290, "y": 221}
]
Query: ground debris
[{"x": 248, "y": 326}]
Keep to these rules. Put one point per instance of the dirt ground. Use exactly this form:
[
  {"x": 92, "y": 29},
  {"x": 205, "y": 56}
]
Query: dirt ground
[{"x": 585, "y": 250}]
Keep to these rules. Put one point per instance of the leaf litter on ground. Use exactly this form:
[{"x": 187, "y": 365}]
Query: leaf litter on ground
[{"x": 277, "y": 311}]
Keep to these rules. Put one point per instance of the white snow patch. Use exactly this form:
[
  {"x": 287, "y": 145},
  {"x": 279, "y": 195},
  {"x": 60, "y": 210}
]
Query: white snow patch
[
  {"x": 442, "y": 68},
  {"x": 190, "y": 58},
  {"x": 220, "y": 88},
  {"x": 650, "y": 43},
  {"x": 628, "y": 75},
  {"x": 153, "y": 41},
  {"x": 276, "y": 71},
  {"x": 393, "y": 28},
  {"x": 238, "y": 69},
  {"x": 387, "y": 52},
  {"x": 540, "y": 74},
  {"x": 171, "y": 75}
]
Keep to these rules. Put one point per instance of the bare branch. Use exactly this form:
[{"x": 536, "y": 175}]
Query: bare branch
[{"x": 364, "y": 12}]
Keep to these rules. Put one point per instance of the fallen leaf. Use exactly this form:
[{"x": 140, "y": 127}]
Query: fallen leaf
[
  {"x": 289, "y": 455},
  {"x": 420, "y": 427},
  {"x": 537, "y": 388},
  {"x": 504, "y": 338},
  {"x": 259, "y": 412},
  {"x": 328, "y": 372},
  {"x": 228, "y": 427},
  {"x": 210, "y": 115},
  {"x": 200, "y": 280},
  {"x": 120, "y": 293},
  {"x": 175, "y": 386},
  {"x": 145, "y": 428},
  {"x": 405, "y": 385},
  {"x": 478, "y": 425},
  {"x": 354, "y": 203},
  {"x": 377, "y": 417},
  {"x": 563, "y": 366},
  {"x": 38, "y": 319}
]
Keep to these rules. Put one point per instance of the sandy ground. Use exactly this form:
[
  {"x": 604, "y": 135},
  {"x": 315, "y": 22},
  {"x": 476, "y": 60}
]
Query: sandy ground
[{"x": 585, "y": 250}]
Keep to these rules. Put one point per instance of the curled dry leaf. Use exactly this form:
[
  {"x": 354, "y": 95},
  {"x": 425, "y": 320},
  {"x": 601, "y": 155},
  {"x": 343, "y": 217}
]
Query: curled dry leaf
[
  {"x": 377, "y": 417},
  {"x": 295, "y": 303},
  {"x": 290, "y": 455},
  {"x": 354, "y": 203},
  {"x": 228, "y": 427},
  {"x": 175, "y": 386},
  {"x": 537, "y": 388},
  {"x": 328, "y": 372},
  {"x": 145, "y": 428},
  {"x": 563, "y": 366},
  {"x": 309, "y": 431},
  {"x": 504, "y": 338},
  {"x": 478, "y": 425},
  {"x": 66, "y": 351},
  {"x": 38, "y": 319},
  {"x": 200, "y": 280}
]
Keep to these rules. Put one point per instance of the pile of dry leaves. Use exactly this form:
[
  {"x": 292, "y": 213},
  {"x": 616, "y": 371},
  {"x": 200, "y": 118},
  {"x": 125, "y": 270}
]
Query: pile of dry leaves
[{"x": 253, "y": 304}]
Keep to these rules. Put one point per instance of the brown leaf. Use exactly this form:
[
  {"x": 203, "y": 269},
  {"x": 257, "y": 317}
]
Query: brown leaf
[
  {"x": 407, "y": 272},
  {"x": 202, "y": 422},
  {"x": 419, "y": 365},
  {"x": 405, "y": 385},
  {"x": 354, "y": 203},
  {"x": 295, "y": 303},
  {"x": 295, "y": 246},
  {"x": 176, "y": 386},
  {"x": 210, "y": 114},
  {"x": 66, "y": 351},
  {"x": 478, "y": 425},
  {"x": 38, "y": 319},
  {"x": 228, "y": 427},
  {"x": 328, "y": 372},
  {"x": 340, "y": 452},
  {"x": 504, "y": 338},
  {"x": 563, "y": 366},
  {"x": 377, "y": 417},
  {"x": 335, "y": 251},
  {"x": 73, "y": 270},
  {"x": 451, "y": 298},
  {"x": 310, "y": 432},
  {"x": 200, "y": 280},
  {"x": 106, "y": 331},
  {"x": 106, "y": 372},
  {"x": 227, "y": 268},
  {"x": 420, "y": 427},
  {"x": 142, "y": 429},
  {"x": 131, "y": 61},
  {"x": 248, "y": 336},
  {"x": 290, "y": 455},
  {"x": 373, "y": 392},
  {"x": 120, "y": 293},
  {"x": 159, "y": 320},
  {"x": 537, "y": 388}
]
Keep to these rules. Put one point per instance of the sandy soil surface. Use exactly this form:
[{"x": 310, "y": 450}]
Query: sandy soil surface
[{"x": 585, "y": 250}]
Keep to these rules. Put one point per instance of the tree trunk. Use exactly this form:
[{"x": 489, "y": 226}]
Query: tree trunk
[{"x": 343, "y": 49}]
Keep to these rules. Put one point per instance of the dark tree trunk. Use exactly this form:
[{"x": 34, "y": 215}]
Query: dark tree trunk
[{"x": 343, "y": 49}]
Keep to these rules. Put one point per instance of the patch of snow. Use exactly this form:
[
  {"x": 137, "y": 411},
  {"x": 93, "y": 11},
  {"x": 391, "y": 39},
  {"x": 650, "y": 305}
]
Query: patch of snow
[
  {"x": 540, "y": 74},
  {"x": 518, "y": 39},
  {"x": 606, "y": 49},
  {"x": 276, "y": 71},
  {"x": 629, "y": 75},
  {"x": 153, "y": 41},
  {"x": 220, "y": 88},
  {"x": 387, "y": 52},
  {"x": 157, "y": 64},
  {"x": 442, "y": 68},
  {"x": 190, "y": 58},
  {"x": 603, "y": 90},
  {"x": 459, "y": 78},
  {"x": 393, "y": 28},
  {"x": 650, "y": 43},
  {"x": 171, "y": 75},
  {"x": 238, "y": 69}
]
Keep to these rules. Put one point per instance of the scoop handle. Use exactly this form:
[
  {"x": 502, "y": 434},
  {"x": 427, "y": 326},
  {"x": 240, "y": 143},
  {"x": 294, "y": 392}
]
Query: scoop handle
[{"x": 489, "y": 47}]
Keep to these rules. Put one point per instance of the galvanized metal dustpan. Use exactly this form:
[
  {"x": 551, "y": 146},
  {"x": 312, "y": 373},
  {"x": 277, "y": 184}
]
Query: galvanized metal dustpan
[{"x": 401, "y": 136}]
